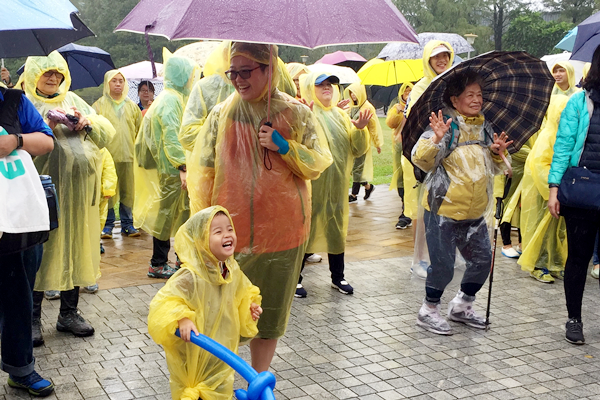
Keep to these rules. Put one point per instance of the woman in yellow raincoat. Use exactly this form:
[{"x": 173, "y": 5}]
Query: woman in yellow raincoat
[
  {"x": 362, "y": 170},
  {"x": 545, "y": 238},
  {"x": 347, "y": 139},
  {"x": 438, "y": 57},
  {"x": 236, "y": 164},
  {"x": 394, "y": 120},
  {"x": 71, "y": 257},
  {"x": 218, "y": 302},
  {"x": 296, "y": 70},
  {"x": 126, "y": 117},
  {"x": 161, "y": 202}
]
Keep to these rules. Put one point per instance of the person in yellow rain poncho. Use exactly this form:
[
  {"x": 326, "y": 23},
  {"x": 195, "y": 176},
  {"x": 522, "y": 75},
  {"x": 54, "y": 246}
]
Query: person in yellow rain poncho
[
  {"x": 438, "y": 57},
  {"x": 460, "y": 154},
  {"x": 71, "y": 257},
  {"x": 126, "y": 118},
  {"x": 161, "y": 203},
  {"x": 260, "y": 174},
  {"x": 395, "y": 120},
  {"x": 109, "y": 187},
  {"x": 209, "y": 295},
  {"x": 296, "y": 70},
  {"x": 362, "y": 170},
  {"x": 544, "y": 239},
  {"x": 347, "y": 139}
]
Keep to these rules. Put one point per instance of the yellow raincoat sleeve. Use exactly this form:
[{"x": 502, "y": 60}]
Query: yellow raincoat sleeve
[
  {"x": 248, "y": 294},
  {"x": 303, "y": 159},
  {"x": 374, "y": 128},
  {"x": 425, "y": 152},
  {"x": 109, "y": 174},
  {"x": 171, "y": 121},
  {"x": 394, "y": 117}
]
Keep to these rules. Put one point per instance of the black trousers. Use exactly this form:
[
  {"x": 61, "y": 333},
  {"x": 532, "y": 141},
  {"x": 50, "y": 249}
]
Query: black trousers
[
  {"x": 160, "y": 251},
  {"x": 69, "y": 300},
  {"x": 582, "y": 227},
  {"x": 336, "y": 267},
  {"x": 356, "y": 187},
  {"x": 505, "y": 229}
]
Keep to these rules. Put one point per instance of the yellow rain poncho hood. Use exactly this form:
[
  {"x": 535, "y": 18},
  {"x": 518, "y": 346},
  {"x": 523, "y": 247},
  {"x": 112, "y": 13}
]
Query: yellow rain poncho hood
[
  {"x": 219, "y": 307},
  {"x": 330, "y": 210},
  {"x": 161, "y": 206},
  {"x": 296, "y": 69},
  {"x": 394, "y": 121},
  {"x": 571, "y": 76},
  {"x": 362, "y": 170},
  {"x": 71, "y": 257},
  {"x": 264, "y": 192},
  {"x": 428, "y": 71},
  {"x": 126, "y": 117}
]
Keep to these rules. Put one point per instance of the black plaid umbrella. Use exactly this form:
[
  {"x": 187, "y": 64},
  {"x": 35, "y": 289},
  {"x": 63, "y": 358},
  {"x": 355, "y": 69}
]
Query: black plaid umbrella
[{"x": 516, "y": 92}]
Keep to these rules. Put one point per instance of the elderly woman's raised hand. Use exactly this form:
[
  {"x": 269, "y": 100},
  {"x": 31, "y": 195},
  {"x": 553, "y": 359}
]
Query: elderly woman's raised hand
[
  {"x": 363, "y": 119},
  {"x": 436, "y": 122},
  {"x": 500, "y": 144},
  {"x": 83, "y": 121}
]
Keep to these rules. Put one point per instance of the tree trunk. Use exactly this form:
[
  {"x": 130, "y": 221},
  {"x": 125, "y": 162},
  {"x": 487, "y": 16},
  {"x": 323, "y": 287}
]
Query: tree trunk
[{"x": 498, "y": 24}]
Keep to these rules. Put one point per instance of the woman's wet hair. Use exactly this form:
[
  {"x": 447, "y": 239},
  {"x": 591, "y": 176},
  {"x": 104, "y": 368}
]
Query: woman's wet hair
[
  {"x": 145, "y": 83},
  {"x": 457, "y": 84},
  {"x": 220, "y": 212},
  {"x": 592, "y": 80}
]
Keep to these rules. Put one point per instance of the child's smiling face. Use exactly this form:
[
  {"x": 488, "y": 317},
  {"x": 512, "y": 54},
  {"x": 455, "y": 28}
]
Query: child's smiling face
[{"x": 222, "y": 240}]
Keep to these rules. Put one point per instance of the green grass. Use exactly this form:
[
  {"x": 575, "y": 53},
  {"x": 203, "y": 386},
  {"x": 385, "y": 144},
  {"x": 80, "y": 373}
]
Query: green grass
[{"x": 383, "y": 167}]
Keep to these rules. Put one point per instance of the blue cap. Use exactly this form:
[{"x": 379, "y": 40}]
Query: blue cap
[{"x": 323, "y": 77}]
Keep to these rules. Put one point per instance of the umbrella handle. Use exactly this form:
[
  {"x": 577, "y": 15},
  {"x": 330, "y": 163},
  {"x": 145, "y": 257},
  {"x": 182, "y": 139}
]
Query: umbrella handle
[{"x": 510, "y": 171}]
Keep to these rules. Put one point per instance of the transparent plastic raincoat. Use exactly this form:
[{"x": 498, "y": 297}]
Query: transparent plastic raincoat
[
  {"x": 295, "y": 70},
  {"x": 362, "y": 170},
  {"x": 126, "y": 117},
  {"x": 109, "y": 183},
  {"x": 71, "y": 257},
  {"x": 544, "y": 237},
  {"x": 161, "y": 206},
  {"x": 457, "y": 198},
  {"x": 267, "y": 195},
  {"x": 394, "y": 120},
  {"x": 219, "y": 307},
  {"x": 330, "y": 209}
]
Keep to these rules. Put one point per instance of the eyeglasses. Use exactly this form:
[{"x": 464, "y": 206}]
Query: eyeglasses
[
  {"x": 243, "y": 73},
  {"x": 49, "y": 74},
  {"x": 146, "y": 91}
]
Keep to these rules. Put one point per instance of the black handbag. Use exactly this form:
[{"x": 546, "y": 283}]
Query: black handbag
[{"x": 580, "y": 188}]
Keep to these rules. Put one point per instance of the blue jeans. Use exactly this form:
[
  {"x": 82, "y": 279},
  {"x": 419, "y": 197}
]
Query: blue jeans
[
  {"x": 596, "y": 258},
  {"x": 16, "y": 288},
  {"x": 126, "y": 218}
]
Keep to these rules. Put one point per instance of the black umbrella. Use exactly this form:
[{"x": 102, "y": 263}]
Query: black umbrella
[{"x": 516, "y": 92}]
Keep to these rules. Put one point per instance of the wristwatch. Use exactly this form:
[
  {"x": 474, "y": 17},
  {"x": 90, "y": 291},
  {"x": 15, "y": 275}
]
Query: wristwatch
[{"x": 19, "y": 140}]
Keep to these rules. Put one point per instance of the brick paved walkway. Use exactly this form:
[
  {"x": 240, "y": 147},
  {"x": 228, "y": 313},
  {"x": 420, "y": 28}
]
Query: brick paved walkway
[{"x": 364, "y": 346}]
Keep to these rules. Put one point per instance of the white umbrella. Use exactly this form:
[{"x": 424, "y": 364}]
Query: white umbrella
[
  {"x": 345, "y": 74},
  {"x": 198, "y": 51},
  {"x": 142, "y": 71},
  {"x": 412, "y": 51},
  {"x": 564, "y": 56}
]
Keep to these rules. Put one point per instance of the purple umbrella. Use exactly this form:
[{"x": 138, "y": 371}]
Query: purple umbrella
[
  {"x": 301, "y": 23},
  {"x": 343, "y": 58},
  {"x": 587, "y": 39}
]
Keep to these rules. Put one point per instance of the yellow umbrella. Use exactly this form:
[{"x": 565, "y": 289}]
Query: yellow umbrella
[{"x": 388, "y": 73}]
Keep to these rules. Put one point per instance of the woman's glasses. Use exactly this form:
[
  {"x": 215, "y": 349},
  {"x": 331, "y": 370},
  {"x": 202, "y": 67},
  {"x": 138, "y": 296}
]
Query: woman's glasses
[
  {"x": 243, "y": 73},
  {"x": 48, "y": 74}
]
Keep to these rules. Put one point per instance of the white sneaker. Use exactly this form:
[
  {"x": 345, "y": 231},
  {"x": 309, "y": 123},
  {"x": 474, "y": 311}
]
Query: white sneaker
[
  {"x": 510, "y": 252},
  {"x": 460, "y": 310},
  {"x": 518, "y": 249},
  {"x": 420, "y": 270},
  {"x": 314, "y": 258},
  {"x": 431, "y": 320}
]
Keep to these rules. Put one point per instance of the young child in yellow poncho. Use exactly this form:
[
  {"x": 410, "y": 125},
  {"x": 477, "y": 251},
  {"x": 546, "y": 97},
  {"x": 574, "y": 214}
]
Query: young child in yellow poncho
[{"x": 208, "y": 295}]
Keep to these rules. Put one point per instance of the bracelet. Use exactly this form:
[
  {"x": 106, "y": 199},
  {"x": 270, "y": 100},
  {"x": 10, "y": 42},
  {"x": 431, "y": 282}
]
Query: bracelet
[
  {"x": 551, "y": 185},
  {"x": 19, "y": 140},
  {"x": 182, "y": 168}
]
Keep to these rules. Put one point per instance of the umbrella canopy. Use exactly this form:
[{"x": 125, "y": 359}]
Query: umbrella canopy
[
  {"x": 516, "y": 92},
  {"x": 343, "y": 58},
  {"x": 141, "y": 71},
  {"x": 345, "y": 74},
  {"x": 587, "y": 39},
  {"x": 384, "y": 95},
  {"x": 36, "y": 27},
  {"x": 305, "y": 23},
  {"x": 552, "y": 59},
  {"x": 198, "y": 52},
  {"x": 411, "y": 51},
  {"x": 568, "y": 41},
  {"x": 387, "y": 73}
]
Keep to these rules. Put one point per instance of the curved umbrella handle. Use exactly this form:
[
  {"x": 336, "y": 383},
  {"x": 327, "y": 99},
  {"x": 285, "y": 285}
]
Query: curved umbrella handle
[
  {"x": 260, "y": 386},
  {"x": 510, "y": 171}
]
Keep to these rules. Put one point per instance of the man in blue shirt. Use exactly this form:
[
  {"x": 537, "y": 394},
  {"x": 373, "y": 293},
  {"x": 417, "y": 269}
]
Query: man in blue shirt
[{"x": 20, "y": 254}]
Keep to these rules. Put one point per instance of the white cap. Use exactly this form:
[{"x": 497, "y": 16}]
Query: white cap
[{"x": 440, "y": 49}]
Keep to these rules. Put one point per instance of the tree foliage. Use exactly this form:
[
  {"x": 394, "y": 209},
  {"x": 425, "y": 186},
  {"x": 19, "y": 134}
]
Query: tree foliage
[
  {"x": 531, "y": 33},
  {"x": 574, "y": 11}
]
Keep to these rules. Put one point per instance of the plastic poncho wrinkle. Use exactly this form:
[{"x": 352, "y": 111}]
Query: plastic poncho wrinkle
[
  {"x": 219, "y": 307},
  {"x": 330, "y": 211},
  {"x": 394, "y": 120},
  {"x": 109, "y": 184},
  {"x": 227, "y": 167},
  {"x": 71, "y": 257}
]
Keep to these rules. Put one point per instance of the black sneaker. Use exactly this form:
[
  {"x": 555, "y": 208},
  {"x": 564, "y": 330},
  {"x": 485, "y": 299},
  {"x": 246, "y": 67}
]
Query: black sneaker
[
  {"x": 343, "y": 287},
  {"x": 36, "y": 332},
  {"x": 403, "y": 222},
  {"x": 352, "y": 198},
  {"x": 574, "y": 332},
  {"x": 300, "y": 291},
  {"x": 369, "y": 191},
  {"x": 74, "y": 323}
]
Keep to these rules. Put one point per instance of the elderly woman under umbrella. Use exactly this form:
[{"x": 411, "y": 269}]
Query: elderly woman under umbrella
[{"x": 259, "y": 173}]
